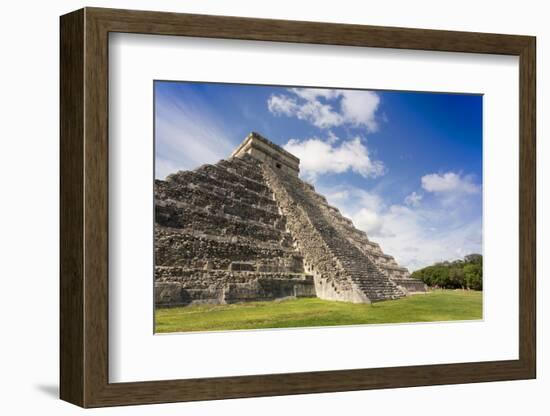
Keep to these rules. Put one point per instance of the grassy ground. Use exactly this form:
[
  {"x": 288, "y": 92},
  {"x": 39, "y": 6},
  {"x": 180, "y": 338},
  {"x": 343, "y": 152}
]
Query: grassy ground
[{"x": 441, "y": 305}]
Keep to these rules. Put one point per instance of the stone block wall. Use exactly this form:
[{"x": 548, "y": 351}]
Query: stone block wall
[
  {"x": 220, "y": 238},
  {"x": 180, "y": 286}
]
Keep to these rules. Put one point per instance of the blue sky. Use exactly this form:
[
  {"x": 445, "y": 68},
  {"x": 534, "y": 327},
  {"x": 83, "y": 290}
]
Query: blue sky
[{"x": 406, "y": 167}]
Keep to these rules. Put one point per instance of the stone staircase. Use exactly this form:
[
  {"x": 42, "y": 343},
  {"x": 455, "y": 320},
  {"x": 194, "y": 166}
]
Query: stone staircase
[
  {"x": 385, "y": 263},
  {"x": 349, "y": 263}
]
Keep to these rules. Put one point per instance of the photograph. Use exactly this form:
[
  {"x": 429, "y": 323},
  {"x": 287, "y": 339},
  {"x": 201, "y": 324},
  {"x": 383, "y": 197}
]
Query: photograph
[
  {"x": 281, "y": 205},
  {"x": 291, "y": 206}
]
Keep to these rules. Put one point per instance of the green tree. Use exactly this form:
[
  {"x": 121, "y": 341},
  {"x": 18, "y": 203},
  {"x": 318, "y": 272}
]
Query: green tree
[
  {"x": 456, "y": 277},
  {"x": 473, "y": 274},
  {"x": 473, "y": 258},
  {"x": 466, "y": 273}
]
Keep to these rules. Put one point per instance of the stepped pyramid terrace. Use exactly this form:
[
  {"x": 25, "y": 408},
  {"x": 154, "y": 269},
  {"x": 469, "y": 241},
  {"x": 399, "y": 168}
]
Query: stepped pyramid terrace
[{"x": 248, "y": 229}]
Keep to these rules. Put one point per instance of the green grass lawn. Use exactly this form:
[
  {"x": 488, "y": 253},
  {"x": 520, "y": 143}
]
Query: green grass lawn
[{"x": 441, "y": 305}]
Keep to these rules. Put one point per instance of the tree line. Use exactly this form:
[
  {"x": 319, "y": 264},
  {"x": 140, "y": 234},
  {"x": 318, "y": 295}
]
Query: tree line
[{"x": 458, "y": 274}]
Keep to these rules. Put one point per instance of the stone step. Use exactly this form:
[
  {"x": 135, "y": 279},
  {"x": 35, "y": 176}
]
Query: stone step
[
  {"x": 237, "y": 194},
  {"x": 217, "y": 203},
  {"x": 355, "y": 264},
  {"x": 213, "y": 180},
  {"x": 191, "y": 218},
  {"x": 384, "y": 262},
  {"x": 222, "y": 173},
  {"x": 174, "y": 247},
  {"x": 242, "y": 168},
  {"x": 177, "y": 185}
]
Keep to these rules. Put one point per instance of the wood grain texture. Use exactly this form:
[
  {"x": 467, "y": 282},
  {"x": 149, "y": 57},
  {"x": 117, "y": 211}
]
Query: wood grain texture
[
  {"x": 527, "y": 208},
  {"x": 162, "y": 23},
  {"x": 96, "y": 208},
  {"x": 71, "y": 208},
  {"x": 84, "y": 207}
]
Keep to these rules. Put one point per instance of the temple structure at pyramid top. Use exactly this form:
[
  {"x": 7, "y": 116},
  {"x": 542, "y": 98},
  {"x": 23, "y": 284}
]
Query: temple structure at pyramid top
[
  {"x": 248, "y": 228},
  {"x": 268, "y": 152}
]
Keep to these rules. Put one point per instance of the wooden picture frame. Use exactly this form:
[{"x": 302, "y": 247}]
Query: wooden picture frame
[{"x": 84, "y": 207}]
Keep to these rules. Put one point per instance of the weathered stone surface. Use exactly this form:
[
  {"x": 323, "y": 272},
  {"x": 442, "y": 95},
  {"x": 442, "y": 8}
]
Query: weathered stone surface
[
  {"x": 409, "y": 285},
  {"x": 269, "y": 153},
  {"x": 342, "y": 271},
  {"x": 182, "y": 286},
  {"x": 248, "y": 229},
  {"x": 242, "y": 266},
  {"x": 168, "y": 293}
]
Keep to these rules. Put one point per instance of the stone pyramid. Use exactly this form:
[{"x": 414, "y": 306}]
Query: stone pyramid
[{"x": 248, "y": 228}]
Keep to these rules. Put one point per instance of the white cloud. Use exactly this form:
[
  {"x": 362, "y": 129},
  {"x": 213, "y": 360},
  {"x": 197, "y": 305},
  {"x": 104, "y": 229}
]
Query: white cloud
[
  {"x": 359, "y": 108},
  {"x": 362, "y": 206},
  {"x": 311, "y": 94},
  {"x": 313, "y": 111},
  {"x": 423, "y": 236},
  {"x": 332, "y": 138},
  {"x": 369, "y": 221},
  {"x": 416, "y": 235},
  {"x": 449, "y": 182},
  {"x": 413, "y": 199},
  {"x": 186, "y": 136},
  {"x": 319, "y": 157},
  {"x": 282, "y": 104},
  {"x": 326, "y": 108}
]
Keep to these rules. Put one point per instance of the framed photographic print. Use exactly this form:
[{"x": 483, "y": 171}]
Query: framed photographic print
[{"x": 255, "y": 207}]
